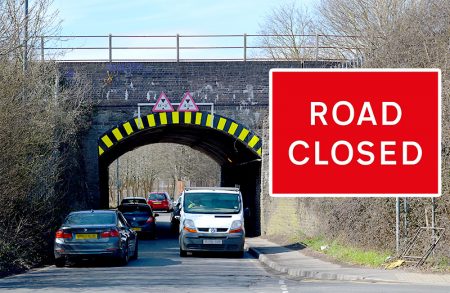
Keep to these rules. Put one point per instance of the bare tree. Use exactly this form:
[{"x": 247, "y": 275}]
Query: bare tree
[
  {"x": 399, "y": 33},
  {"x": 142, "y": 170},
  {"x": 289, "y": 33},
  {"x": 41, "y": 118},
  {"x": 388, "y": 34},
  {"x": 40, "y": 21},
  {"x": 391, "y": 33}
]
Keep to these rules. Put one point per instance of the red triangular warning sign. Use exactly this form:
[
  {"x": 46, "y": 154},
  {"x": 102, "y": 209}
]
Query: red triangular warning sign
[
  {"x": 162, "y": 104},
  {"x": 187, "y": 104}
]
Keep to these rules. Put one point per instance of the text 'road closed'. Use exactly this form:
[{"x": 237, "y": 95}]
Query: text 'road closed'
[{"x": 355, "y": 133}]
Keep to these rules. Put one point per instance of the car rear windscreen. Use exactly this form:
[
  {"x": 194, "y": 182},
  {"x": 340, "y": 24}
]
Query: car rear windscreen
[
  {"x": 157, "y": 196},
  {"x": 91, "y": 219},
  {"x": 134, "y": 200},
  {"x": 135, "y": 209}
]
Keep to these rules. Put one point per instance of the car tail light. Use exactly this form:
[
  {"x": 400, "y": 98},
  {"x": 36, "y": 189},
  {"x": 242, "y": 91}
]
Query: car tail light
[
  {"x": 61, "y": 234},
  {"x": 150, "y": 220},
  {"x": 110, "y": 233}
]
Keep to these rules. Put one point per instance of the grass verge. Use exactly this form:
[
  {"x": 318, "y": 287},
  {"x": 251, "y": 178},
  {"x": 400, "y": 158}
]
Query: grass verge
[{"x": 347, "y": 254}]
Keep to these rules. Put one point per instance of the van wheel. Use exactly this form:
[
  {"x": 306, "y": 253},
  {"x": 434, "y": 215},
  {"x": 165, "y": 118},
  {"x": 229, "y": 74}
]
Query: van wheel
[{"x": 183, "y": 253}]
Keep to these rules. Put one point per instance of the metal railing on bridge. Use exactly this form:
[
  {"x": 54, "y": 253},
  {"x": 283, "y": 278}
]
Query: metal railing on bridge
[{"x": 245, "y": 47}]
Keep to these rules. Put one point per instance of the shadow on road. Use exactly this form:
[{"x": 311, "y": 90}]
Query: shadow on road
[
  {"x": 157, "y": 259},
  {"x": 280, "y": 249}
]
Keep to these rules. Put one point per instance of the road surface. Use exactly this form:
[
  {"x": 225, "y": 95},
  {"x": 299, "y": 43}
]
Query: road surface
[{"x": 160, "y": 269}]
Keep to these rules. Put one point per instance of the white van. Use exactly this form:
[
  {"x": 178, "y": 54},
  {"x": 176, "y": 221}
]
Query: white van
[{"x": 212, "y": 219}]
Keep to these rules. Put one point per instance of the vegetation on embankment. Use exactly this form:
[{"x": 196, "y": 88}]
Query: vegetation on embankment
[
  {"x": 41, "y": 117},
  {"x": 343, "y": 253},
  {"x": 390, "y": 34}
]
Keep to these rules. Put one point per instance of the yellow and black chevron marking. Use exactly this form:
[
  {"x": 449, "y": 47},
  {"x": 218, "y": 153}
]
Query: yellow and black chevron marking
[{"x": 230, "y": 127}]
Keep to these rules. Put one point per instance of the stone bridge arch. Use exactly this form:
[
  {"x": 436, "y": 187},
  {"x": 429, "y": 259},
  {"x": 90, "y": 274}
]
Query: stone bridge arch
[{"x": 235, "y": 147}]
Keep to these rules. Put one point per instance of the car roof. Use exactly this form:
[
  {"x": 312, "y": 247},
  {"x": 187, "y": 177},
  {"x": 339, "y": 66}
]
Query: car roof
[
  {"x": 134, "y": 204},
  {"x": 134, "y": 197},
  {"x": 93, "y": 212}
]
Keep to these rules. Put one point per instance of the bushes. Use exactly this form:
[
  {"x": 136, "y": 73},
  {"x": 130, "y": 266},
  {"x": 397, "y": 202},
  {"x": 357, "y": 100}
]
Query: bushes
[{"x": 39, "y": 126}]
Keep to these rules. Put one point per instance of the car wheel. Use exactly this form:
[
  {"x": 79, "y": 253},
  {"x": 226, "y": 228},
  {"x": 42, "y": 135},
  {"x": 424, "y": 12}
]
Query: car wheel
[
  {"x": 152, "y": 235},
  {"x": 239, "y": 254},
  {"x": 136, "y": 251},
  {"x": 183, "y": 253},
  {"x": 174, "y": 228},
  {"x": 124, "y": 258},
  {"x": 60, "y": 262}
]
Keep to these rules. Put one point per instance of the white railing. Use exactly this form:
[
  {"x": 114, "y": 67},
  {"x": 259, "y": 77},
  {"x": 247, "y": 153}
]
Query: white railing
[{"x": 245, "y": 47}]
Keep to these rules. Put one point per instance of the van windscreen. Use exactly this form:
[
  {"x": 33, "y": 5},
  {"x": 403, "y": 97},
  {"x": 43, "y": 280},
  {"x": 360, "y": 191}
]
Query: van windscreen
[{"x": 211, "y": 203}]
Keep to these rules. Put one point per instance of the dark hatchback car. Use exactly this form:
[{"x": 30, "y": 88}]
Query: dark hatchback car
[
  {"x": 130, "y": 200},
  {"x": 95, "y": 233},
  {"x": 141, "y": 218},
  {"x": 175, "y": 215}
]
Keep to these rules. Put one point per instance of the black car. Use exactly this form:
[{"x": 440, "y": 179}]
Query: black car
[
  {"x": 175, "y": 215},
  {"x": 135, "y": 200},
  {"x": 95, "y": 233},
  {"x": 141, "y": 218}
]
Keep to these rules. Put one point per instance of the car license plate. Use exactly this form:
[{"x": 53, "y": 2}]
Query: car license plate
[
  {"x": 156, "y": 202},
  {"x": 137, "y": 228},
  {"x": 85, "y": 236},
  {"x": 212, "y": 241}
]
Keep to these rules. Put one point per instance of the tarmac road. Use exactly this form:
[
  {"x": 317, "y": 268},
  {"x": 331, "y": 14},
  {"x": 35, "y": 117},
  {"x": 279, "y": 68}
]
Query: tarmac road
[{"x": 160, "y": 269}]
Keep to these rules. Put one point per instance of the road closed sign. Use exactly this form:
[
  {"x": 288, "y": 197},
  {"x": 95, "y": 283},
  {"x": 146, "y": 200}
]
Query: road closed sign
[{"x": 355, "y": 132}]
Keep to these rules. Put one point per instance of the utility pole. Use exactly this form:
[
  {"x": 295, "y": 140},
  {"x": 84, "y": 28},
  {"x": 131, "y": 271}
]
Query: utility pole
[
  {"x": 25, "y": 38},
  {"x": 397, "y": 225},
  {"x": 117, "y": 182},
  {"x": 433, "y": 218},
  {"x": 405, "y": 216}
]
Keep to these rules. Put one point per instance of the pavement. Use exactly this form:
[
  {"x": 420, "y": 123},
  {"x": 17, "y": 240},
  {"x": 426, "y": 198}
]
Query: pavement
[{"x": 295, "y": 263}]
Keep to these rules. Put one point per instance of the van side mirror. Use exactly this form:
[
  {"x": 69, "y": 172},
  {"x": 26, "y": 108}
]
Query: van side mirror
[{"x": 246, "y": 212}]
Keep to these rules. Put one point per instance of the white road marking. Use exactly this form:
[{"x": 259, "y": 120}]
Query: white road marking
[{"x": 283, "y": 286}]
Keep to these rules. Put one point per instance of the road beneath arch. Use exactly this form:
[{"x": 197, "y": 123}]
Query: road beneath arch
[{"x": 160, "y": 269}]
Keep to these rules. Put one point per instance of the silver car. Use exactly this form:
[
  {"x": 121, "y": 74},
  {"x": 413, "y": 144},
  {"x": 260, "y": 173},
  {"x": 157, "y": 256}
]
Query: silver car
[{"x": 95, "y": 233}]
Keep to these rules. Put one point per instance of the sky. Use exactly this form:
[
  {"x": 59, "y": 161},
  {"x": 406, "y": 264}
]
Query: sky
[
  {"x": 164, "y": 16},
  {"x": 161, "y": 17}
]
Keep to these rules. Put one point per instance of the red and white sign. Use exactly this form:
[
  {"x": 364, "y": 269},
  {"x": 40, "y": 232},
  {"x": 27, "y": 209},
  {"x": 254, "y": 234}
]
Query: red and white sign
[
  {"x": 187, "y": 104},
  {"x": 364, "y": 132},
  {"x": 162, "y": 104}
]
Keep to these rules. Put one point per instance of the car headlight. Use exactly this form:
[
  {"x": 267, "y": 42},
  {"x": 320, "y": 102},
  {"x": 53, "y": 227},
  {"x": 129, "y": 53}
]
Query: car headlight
[
  {"x": 189, "y": 226},
  {"x": 236, "y": 227}
]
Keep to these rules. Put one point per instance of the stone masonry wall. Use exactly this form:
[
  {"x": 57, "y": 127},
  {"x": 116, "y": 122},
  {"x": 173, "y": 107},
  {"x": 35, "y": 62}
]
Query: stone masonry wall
[{"x": 239, "y": 90}]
